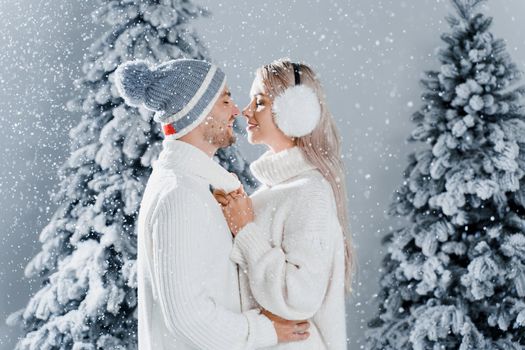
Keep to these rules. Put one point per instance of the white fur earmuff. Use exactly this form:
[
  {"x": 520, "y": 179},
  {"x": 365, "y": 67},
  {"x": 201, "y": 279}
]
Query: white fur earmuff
[{"x": 297, "y": 111}]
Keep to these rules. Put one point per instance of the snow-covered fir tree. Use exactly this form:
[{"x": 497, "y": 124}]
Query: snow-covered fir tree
[
  {"x": 88, "y": 298},
  {"x": 454, "y": 277}
]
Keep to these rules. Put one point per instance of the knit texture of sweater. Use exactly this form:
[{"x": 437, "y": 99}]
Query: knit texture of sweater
[
  {"x": 291, "y": 256},
  {"x": 188, "y": 288}
]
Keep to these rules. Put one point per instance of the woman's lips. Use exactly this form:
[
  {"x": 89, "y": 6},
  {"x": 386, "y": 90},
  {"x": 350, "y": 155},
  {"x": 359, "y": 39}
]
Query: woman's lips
[{"x": 251, "y": 126}]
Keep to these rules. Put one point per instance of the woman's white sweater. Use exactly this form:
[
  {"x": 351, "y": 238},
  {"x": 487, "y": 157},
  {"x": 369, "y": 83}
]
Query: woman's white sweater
[
  {"x": 188, "y": 288},
  {"x": 292, "y": 255}
]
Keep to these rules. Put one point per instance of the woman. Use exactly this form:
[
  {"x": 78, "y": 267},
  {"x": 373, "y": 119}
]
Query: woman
[{"x": 291, "y": 237}]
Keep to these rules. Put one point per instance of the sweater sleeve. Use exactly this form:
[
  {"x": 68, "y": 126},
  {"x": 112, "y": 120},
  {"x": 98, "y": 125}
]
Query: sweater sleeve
[
  {"x": 178, "y": 242},
  {"x": 291, "y": 280}
]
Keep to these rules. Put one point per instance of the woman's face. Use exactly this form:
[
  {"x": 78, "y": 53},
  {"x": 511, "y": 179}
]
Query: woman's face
[{"x": 261, "y": 126}]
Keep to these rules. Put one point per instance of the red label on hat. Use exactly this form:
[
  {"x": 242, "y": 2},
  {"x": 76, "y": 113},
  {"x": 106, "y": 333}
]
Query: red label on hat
[{"x": 169, "y": 129}]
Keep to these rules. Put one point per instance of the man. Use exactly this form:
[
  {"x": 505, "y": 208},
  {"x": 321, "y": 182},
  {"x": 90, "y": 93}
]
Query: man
[{"x": 187, "y": 287}]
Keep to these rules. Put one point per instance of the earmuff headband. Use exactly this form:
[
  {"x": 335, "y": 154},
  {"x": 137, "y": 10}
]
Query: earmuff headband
[
  {"x": 297, "y": 110},
  {"x": 296, "y": 73}
]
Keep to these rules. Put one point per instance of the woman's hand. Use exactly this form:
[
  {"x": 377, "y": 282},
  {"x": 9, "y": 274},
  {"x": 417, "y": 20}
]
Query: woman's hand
[
  {"x": 236, "y": 207},
  {"x": 221, "y": 197}
]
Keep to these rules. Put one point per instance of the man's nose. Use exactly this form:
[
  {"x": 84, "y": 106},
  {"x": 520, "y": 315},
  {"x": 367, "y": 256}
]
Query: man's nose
[{"x": 236, "y": 110}]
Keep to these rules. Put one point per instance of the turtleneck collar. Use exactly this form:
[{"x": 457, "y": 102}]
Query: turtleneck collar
[
  {"x": 274, "y": 168},
  {"x": 183, "y": 158}
]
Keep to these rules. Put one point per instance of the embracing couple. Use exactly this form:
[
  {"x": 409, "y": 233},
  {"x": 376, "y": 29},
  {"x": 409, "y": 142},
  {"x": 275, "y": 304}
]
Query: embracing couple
[{"x": 218, "y": 269}]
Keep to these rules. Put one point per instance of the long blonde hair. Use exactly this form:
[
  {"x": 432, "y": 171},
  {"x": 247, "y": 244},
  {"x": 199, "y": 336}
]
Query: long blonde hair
[{"x": 322, "y": 147}]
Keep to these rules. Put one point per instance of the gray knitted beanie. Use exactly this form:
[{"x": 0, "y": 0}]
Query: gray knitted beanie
[{"x": 182, "y": 92}]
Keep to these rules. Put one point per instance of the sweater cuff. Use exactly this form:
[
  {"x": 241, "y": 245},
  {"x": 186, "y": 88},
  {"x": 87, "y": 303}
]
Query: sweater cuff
[
  {"x": 249, "y": 244},
  {"x": 262, "y": 331}
]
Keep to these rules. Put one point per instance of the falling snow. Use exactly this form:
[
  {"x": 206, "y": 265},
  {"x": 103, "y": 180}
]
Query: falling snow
[{"x": 369, "y": 55}]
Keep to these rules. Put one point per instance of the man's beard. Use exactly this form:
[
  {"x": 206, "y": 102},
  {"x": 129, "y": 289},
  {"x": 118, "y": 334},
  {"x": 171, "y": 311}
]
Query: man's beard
[{"x": 217, "y": 134}]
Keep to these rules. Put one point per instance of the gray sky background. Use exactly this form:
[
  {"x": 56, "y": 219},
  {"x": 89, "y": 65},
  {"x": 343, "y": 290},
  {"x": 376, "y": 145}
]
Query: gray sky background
[{"x": 369, "y": 55}]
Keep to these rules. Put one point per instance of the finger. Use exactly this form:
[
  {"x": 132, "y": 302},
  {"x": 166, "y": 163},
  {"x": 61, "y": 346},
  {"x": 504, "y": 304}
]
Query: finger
[
  {"x": 217, "y": 196},
  {"x": 221, "y": 199},
  {"x": 302, "y": 327},
  {"x": 231, "y": 196},
  {"x": 241, "y": 189},
  {"x": 218, "y": 191},
  {"x": 237, "y": 193},
  {"x": 233, "y": 192},
  {"x": 300, "y": 336}
]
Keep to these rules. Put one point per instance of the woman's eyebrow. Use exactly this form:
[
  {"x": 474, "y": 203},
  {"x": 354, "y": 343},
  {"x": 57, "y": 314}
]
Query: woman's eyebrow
[{"x": 256, "y": 93}]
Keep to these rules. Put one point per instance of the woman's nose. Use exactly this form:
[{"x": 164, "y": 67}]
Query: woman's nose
[{"x": 247, "y": 111}]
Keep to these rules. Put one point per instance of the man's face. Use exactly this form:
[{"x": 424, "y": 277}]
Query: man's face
[{"x": 218, "y": 125}]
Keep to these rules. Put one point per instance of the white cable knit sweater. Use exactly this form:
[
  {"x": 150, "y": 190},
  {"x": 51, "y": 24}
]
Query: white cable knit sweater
[
  {"x": 292, "y": 255},
  {"x": 188, "y": 288}
]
